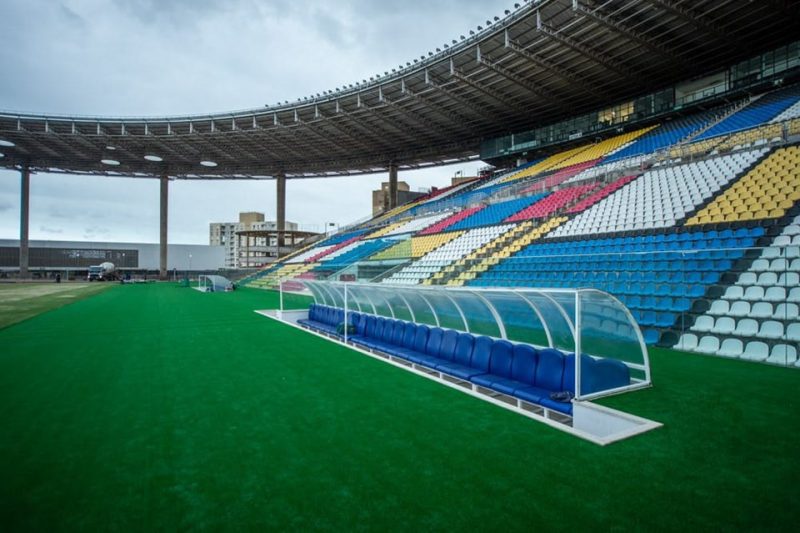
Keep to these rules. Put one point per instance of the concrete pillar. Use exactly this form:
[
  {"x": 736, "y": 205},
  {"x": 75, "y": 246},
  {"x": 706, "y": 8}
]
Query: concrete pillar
[
  {"x": 392, "y": 185},
  {"x": 162, "y": 269},
  {"x": 24, "y": 216},
  {"x": 280, "y": 211}
]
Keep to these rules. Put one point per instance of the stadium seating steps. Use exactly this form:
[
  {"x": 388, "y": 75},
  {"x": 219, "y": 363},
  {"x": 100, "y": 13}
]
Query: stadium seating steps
[{"x": 681, "y": 221}]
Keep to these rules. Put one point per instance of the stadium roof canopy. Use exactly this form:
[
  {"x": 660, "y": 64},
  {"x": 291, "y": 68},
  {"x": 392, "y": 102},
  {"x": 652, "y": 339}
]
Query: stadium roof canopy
[{"x": 544, "y": 61}]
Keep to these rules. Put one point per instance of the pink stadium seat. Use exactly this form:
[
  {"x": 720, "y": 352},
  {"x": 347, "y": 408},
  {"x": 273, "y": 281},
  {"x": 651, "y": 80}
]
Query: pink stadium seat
[
  {"x": 552, "y": 203},
  {"x": 452, "y": 219}
]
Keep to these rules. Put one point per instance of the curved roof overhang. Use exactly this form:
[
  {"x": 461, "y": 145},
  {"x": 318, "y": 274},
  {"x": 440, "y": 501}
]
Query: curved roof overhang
[{"x": 544, "y": 61}]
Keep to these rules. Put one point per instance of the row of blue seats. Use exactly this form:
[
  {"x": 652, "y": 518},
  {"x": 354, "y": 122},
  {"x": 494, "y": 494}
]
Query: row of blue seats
[
  {"x": 675, "y": 290},
  {"x": 665, "y": 135},
  {"x": 754, "y": 114},
  {"x": 666, "y": 238},
  {"x": 711, "y": 249},
  {"x": 364, "y": 250},
  {"x": 324, "y": 318},
  {"x": 496, "y": 213},
  {"x": 599, "y": 270},
  {"x": 518, "y": 370},
  {"x": 463, "y": 199},
  {"x": 612, "y": 276},
  {"x": 341, "y": 237}
]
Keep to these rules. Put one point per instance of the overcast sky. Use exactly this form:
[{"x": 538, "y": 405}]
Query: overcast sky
[{"x": 164, "y": 57}]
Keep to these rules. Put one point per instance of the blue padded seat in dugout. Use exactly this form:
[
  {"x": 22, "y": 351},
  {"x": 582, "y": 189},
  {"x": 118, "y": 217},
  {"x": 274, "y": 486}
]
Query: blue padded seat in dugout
[
  {"x": 399, "y": 333},
  {"x": 448, "y": 345},
  {"x": 523, "y": 370},
  {"x": 519, "y": 370},
  {"x": 477, "y": 364},
  {"x": 500, "y": 358}
]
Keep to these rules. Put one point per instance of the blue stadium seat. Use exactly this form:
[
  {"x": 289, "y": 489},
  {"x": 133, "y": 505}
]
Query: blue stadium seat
[
  {"x": 480, "y": 352},
  {"x": 448, "y": 346},
  {"x": 500, "y": 359}
]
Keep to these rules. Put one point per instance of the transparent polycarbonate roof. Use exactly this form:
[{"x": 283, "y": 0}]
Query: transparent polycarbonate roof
[{"x": 584, "y": 321}]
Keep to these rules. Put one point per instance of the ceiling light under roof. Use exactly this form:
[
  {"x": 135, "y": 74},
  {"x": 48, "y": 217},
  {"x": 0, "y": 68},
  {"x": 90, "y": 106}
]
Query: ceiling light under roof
[
  {"x": 109, "y": 147},
  {"x": 207, "y": 163},
  {"x": 154, "y": 158},
  {"x": 110, "y": 162},
  {"x": 4, "y": 142},
  {"x": 2, "y": 155}
]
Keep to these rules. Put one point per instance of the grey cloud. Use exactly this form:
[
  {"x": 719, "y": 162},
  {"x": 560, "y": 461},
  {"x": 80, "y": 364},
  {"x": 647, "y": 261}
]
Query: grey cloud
[
  {"x": 71, "y": 16},
  {"x": 152, "y": 57},
  {"x": 46, "y": 229}
]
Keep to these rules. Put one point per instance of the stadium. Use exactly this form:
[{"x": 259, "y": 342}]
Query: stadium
[{"x": 600, "y": 331}]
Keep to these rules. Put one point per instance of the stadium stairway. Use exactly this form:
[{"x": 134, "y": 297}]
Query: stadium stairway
[
  {"x": 700, "y": 214},
  {"x": 433, "y": 261},
  {"x": 457, "y": 267},
  {"x": 767, "y": 191},
  {"x": 288, "y": 271},
  {"x": 501, "y": 249}
]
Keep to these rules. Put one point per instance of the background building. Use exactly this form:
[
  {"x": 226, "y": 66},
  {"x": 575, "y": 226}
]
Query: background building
[
  {"x": 61, "y": 256},
  {"x": 380, "y": 197},
  {"x": 246, "y": 251}
]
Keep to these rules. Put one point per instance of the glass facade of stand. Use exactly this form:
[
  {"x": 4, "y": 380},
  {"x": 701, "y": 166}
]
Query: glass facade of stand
[{"x": 588, "y": 321}]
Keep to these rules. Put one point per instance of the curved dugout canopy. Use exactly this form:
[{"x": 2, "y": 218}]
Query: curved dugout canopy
[
  {"x": 586, "y": 321},
  {"x": 214, "y": 283}
]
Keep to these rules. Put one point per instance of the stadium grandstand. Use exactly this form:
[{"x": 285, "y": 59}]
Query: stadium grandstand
[
  {"x": 693, "y": 223},
  {"x": 643, "y": 202}
]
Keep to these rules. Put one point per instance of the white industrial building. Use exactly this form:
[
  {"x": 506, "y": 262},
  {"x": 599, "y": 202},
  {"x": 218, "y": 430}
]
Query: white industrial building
[{"x": 52, "y": 256}]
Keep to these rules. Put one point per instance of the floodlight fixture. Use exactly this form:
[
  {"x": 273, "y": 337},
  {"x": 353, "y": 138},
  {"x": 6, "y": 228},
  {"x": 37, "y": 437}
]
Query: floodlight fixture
[
  {"x": 4, "y": 142},
  {"x": 208, "y": 163},
  {"x": 154, "y": 158},
  {"x": 110, "y": 162}
]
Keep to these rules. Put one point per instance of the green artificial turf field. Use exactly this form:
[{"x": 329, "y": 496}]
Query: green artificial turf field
[{"x": 155, "y": 407}]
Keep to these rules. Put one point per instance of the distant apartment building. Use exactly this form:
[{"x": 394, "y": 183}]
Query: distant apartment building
[
  {"x": 246, "y": 251},
  {"x": 380, "y": 197}
]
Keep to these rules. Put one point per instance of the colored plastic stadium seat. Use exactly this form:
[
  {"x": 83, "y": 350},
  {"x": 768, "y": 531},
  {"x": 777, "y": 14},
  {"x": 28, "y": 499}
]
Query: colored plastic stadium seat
[
  {"x": 550, "y": 369},
  {"x": 514, "y": 369},
  {"x": 479, "y": 354},
  {"x": 500, "y": 358},
  {"x": 523, "y": 370}
]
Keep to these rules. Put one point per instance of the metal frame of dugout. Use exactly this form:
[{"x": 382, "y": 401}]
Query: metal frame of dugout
[{"x": 580, "y": 321}]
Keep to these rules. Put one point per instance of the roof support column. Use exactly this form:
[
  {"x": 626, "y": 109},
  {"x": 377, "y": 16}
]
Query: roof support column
[
  {"x": 392, "y": 185},
  {"x": 280, "y": 209},
  {"x": 164, "y": 197},
  {"x": 24, "y": 216}
]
